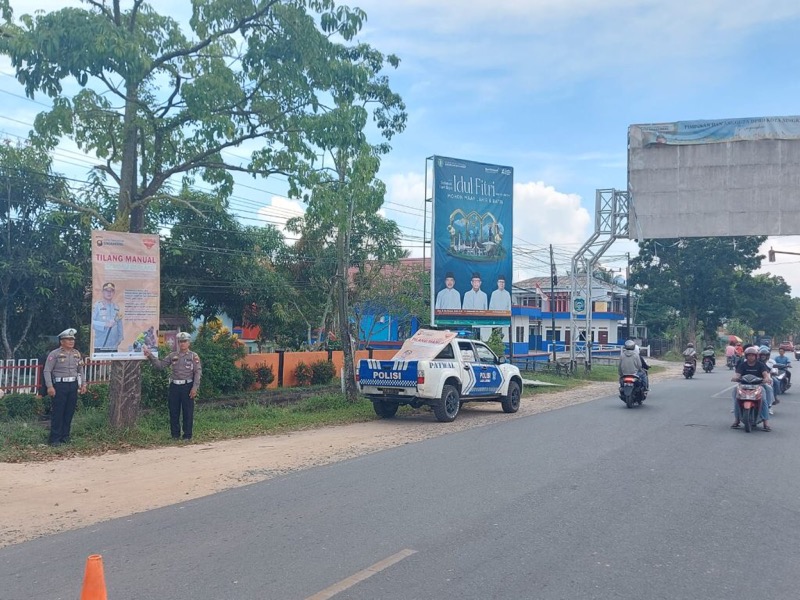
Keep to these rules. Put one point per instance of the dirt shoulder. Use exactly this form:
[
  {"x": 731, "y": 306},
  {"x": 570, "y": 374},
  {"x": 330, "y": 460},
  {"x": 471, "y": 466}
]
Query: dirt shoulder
[{"x": 44, "y": 498}]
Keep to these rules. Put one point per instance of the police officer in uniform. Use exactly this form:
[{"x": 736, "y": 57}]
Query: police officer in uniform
[
  {"x": 64, "y": 377},
  {"x": 185, "y": 372}
]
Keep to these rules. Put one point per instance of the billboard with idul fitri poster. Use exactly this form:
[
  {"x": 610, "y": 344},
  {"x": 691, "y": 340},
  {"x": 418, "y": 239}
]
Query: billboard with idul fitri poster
[{"x": 472, "y": 237}]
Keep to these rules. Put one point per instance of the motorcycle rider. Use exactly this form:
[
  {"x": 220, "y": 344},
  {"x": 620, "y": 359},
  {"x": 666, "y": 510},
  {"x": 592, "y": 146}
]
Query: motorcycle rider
[
  {"x": 782, "y": 359},
  {"x": 645, "y": 368},
  {"x": 752, "y": 366},
  {"x": 739, "y": 351},
  {"x": 730, "y": 352},
  {"x": 630, "y": 363},
  {"x": 689, "y": 355},
  {"x": 769, "y": 390},
  {"x": 710, "y": 353}
]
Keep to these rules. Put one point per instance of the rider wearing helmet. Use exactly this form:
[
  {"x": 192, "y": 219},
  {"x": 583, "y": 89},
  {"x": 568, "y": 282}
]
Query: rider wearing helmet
[
  {"x": 629, "y": 361},
  {"x": 751, "y": 365},
  {"x": 709, "y": 352},
  {"x": 765, "y": 356},
  {"x": 689, "y": 353}
]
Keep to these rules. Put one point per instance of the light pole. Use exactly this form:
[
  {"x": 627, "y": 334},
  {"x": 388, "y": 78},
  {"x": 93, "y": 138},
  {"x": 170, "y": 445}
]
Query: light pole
[{"x": 771, "y": 254}]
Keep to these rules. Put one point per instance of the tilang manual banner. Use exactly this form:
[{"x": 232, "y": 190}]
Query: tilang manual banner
[
  {"x": 472, "y": 230},
  {"x": 126, "y": 270}
]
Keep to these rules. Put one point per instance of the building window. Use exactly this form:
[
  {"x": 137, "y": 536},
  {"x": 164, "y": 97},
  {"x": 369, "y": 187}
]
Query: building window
[{"x": 520, "y": 335}]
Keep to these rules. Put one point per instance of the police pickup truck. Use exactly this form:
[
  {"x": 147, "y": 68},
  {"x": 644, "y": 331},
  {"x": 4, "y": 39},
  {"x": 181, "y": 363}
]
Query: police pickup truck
[{"x": 437, "y": 369}]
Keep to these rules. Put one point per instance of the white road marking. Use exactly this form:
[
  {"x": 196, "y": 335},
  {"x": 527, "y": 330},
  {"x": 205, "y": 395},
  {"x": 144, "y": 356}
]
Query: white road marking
[
  {"x": 724, "y": 393},
  {"x": 349, "y": 582}
]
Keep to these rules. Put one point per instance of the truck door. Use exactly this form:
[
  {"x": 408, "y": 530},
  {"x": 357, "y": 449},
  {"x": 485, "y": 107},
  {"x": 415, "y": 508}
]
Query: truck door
[{"x": 488, "y": 379}]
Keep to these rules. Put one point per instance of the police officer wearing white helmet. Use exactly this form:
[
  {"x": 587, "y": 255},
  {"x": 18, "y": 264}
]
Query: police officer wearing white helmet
[
  {"x": 185, "y": 373},
  {"x": 64, "y": 378}
]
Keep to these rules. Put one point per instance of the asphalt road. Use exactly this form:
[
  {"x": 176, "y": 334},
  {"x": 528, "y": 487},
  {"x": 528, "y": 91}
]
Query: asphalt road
[{"x": 590, "y": 501}]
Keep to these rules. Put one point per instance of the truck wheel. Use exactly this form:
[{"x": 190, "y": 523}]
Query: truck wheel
[
  {"x": 385, "y": 410},
  {"x": 446, "y": 409},
  {"x": 510, "y": 402}
]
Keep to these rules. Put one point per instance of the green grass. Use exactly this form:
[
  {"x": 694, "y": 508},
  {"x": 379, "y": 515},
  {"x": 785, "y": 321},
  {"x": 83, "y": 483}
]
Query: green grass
[{"x": 22, "y": 441}]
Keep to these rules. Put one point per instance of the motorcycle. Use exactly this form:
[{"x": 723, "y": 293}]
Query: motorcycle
[
  {"x": 708, "y": 364},
  {"x": 731, "y": 362},
  {"x": 797, "y": 352},
  {"x": 688, "y": 368},
  {"x": 631, "y": 390},
  {"x": 749, "y": 395},
  {"x": 779, "y": 373}
]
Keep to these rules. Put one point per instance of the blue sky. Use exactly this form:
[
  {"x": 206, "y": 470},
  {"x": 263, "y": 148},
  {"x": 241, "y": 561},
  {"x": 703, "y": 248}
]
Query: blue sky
[{"x": 550, "y": 88}]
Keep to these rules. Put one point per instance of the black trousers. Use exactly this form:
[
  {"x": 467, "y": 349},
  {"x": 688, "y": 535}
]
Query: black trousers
[
  {"x": 63, "y": 409},
  {"x": 180, "y": 402}
]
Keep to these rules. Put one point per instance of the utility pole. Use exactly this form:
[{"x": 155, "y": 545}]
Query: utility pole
[
  {"x": 553, "y": 282},
  {"x": 628, "y": 302}
]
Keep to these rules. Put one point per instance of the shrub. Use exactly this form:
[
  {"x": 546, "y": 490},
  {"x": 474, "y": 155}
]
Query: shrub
[
  {"x": 248, "y": 377},
  {"x": 303, "y": 374},
  {"x": 20, "y": 406},
  {"x": 219, "y": 352},
  {"x": 155, "y": 382},
  {"x": 322, "y": 371},
  {"x": 96, "y": 396},
  {"x": 495, "y": 342},
  {"x": 264, "y": 375}
]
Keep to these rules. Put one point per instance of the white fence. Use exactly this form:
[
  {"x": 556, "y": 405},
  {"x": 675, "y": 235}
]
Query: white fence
[
  {"x": 601, "y": 348},
  {"x": 25, "y": 375}
]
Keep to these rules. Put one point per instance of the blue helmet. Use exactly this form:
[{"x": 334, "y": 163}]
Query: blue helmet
[{"x": 764, "y": 350}]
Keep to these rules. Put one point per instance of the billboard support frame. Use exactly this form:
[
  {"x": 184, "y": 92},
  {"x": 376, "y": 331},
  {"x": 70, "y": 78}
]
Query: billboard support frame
[
  {"x": 428, "y": 201},
  {"x": 610, "y": 224}
]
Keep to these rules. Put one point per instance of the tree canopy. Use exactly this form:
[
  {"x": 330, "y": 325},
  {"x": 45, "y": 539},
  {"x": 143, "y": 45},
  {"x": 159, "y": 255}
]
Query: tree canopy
[
  {"x": 161, "y": 105},
  {"x": 44, "y": 253},
  {"x": 708, "y": 281}
]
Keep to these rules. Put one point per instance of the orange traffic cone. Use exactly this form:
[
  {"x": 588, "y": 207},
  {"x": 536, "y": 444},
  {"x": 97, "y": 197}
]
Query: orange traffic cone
[{"x": 94, "y": 582}]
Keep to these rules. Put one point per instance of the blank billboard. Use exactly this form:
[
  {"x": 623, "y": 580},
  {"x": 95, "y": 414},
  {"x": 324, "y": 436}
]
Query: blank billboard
[{"x": 727, "y": 177}]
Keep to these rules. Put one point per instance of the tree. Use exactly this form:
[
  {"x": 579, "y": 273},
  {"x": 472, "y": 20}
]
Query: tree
[
  {"x": 344, "y": 197},
  {"x": 398, "y": 289},
  {"x": 158, "y": 105},
  {"x": 764, "y": 301},
  {"x": 43, "y": 253},
  {"x": 345, "y": 202},
  {"x": 695, "y": 277}
]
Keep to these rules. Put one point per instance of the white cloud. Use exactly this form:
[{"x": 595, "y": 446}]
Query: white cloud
[{"x": 543, "y": 215}]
